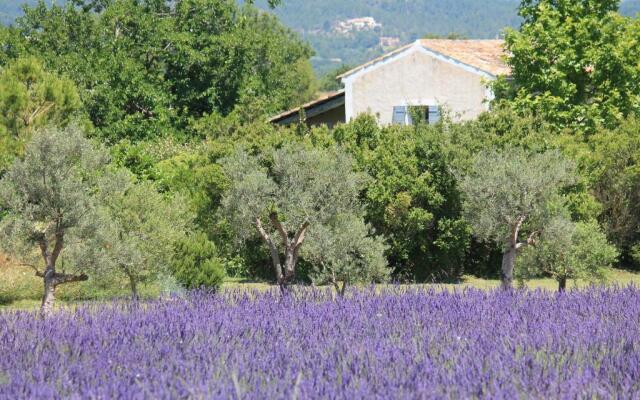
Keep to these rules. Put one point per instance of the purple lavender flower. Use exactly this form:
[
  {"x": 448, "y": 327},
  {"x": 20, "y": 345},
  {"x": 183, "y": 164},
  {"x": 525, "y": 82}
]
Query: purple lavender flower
[{"x": 416, "y": 344}]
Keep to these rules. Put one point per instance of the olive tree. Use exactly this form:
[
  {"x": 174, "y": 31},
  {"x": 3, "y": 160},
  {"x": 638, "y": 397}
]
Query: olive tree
[
  {"x": 50, "y": 212},
  {"x": 292, "y": 194},
  {"x": 346, "y": 252},
  {"x": 143, "y": 227},
  {"x": 569, "y": 250},
  {"x": 508, "y": 193}
]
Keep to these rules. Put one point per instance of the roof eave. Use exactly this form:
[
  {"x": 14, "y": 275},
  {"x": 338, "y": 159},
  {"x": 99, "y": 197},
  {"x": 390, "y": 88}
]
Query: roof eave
[{"x": 307, "y": 106}]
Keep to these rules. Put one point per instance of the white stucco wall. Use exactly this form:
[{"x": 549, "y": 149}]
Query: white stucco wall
[{"x": 416, "y": 78}]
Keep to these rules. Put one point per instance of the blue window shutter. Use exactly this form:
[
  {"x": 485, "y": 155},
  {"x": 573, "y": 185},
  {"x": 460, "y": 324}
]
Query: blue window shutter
[
  {"x": 434, "y": 114},
  {"x": 399, "y": 115}
]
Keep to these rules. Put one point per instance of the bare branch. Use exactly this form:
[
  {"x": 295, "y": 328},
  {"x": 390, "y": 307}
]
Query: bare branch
[
  {"x": 531, "y": 240},
  {"x": 41, "y": 109},
  {"x": 68, "y": 278},
  {"x": 57, "y": 248},
  {"x": 265, "y": 236},
  {"x": 299, "y": 238},
  {"x": 280, "y": 228},
  {"x": 275, "y": 256},
  {"x": 44, "y": 249},
  {"x": 515, "y": 231},
  {"x": 33, "y": 267}
]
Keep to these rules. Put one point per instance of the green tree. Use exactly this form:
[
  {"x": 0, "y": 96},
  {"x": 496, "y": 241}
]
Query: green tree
[
  {"x": 50, "y": 213},
  {"x": 413, "y": 198},
  {"x": 148, "y": 69},
  {"x": 285, "y": 197},
  {"x": 568, "y": 250},
  {"x": 575, "y": 63},
  {"x": 611, "y": 163},
  {"x": 196, "y": 264},
  {"x": 244, "y": 60},
  {"x": 31, "y": 98},
  {"x": 330, "y": 82},
  {"x": 346, "y": 252},
  {"x": 509, "y": 192},
  {"x": 143, "y": 228}
]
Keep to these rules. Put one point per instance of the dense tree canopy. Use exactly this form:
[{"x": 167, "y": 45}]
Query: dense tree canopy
[
  {"x": 31, "y": 98},
  {"x": 611, "y": 163},
  {"x": 196, "y": 264},
  {"x": 412, "y": 197},
  {"x": 147, "y": 68},
  {"x": 575, "y": 63}
]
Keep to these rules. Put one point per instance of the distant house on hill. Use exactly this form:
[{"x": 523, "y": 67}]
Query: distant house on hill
[
  {"x": 357, "y": 25},
  {"x": 429, "y": 75}
]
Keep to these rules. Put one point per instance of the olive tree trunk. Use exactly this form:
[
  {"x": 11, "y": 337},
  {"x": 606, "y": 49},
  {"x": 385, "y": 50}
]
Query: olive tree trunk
[
  {"x": 340, "y": 290},
  {"x": 133, "y": 283},
  {"x": 511, "y": 253},
  {"x": 49, "y": 296},
  {"x": 508, "y": 265},
  {"x": 562, "y": 284},
  {"x": 50, "y": 277},
  {"x": 285, "y": 272}
]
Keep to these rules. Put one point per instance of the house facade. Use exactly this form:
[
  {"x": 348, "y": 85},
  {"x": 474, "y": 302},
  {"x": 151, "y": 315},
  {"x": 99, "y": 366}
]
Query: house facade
[{"x": 420, "y": 79}]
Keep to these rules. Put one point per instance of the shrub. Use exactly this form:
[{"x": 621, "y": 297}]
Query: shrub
[
  {"x": 196, "y": 263},
  {"x": 568, "y": 250}
]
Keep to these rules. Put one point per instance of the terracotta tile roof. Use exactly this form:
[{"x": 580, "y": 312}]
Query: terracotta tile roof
[
  {"x": 325, "y": 98},
  {"x": 486, "y": 55}
]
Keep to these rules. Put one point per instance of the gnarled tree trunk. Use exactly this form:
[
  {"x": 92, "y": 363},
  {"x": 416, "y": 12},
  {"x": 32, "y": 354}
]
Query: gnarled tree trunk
[
  {"x": 340, "y": 290},
  {"x": 508, "y": 265},
  {"x": 50, "y": 277},
  {"x": 285, "y": 274},
  {"x": 51, "y": 281},
  {"x": 49, "y": 296},
  {"x": 511, "y": 253},
  {"x": 562, "y": 284},
  {"x": 134, "y": 287}
]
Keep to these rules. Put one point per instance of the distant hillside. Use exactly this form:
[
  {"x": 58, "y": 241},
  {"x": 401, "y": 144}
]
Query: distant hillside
[
  {"x": 322, "y": 23},
  {"x": 11, "y": 9},
  {"x": 8, "y": 11},
  {"x": 325, "y": 23}
]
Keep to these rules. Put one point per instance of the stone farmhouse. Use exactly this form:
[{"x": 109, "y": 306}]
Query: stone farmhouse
[{"x": 427, "y": 76}]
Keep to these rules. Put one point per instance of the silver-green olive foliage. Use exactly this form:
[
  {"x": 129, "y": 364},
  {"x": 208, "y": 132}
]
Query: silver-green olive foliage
[
  {"x": 295, "y": 194},
  {"x": 346, "y": 251},
  {"x": 569, "y": 250},
  {"x": 510, "y": 192},
  {"x": 50, "y": 212}
]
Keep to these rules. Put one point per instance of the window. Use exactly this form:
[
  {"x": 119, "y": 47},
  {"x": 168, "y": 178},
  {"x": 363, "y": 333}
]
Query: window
[
  {"x": 399, "y": 115},
  {"x": 407, "y": 115}
]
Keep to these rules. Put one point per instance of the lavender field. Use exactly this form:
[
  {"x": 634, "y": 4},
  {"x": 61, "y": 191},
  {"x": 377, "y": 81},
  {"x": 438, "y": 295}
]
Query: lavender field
[{"x": 417, "y": 344}]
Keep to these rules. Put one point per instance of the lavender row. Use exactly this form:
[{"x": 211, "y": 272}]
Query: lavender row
[{"x": 416, "y": 344}]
